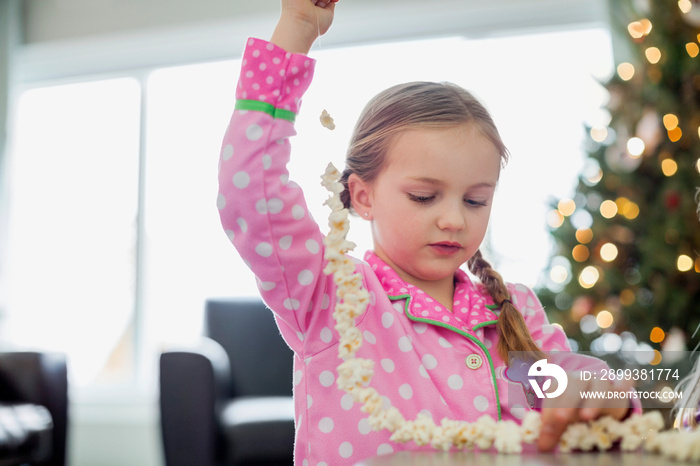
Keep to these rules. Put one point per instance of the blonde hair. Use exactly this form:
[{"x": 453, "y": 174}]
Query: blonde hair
[
  {"x": 687, "y": 407},
  {"x": 427, "y": 105}
]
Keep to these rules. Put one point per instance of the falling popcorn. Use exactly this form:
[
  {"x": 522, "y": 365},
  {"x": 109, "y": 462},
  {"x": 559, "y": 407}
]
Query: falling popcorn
[
  {"x": 355, "y": 374},
  {"x": 327, "y": 120}
]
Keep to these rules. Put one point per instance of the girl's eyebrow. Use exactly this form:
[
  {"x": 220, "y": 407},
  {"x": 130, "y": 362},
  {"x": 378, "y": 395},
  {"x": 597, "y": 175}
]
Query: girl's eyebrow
[{"x": 439, "y": 183}]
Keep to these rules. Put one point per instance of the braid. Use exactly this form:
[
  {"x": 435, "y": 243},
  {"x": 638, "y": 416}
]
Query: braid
[{"x": 514, "y": 335}]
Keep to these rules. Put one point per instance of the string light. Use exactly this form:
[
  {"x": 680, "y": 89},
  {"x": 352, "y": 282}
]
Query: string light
[
  {"x": 584, "y": 235},
  {"x": 692, "y": 49},
  {"x": 559, "y": 274},
  {"x": 608, "y": 209},
  {"x": 625, "y": 71},
  {"x": 566, "y": 207},
  {"x": 685, "y": 6},
  {"x": 635, "y": 147},
  {"x": 684, "y": 263},
  {"x": 599, "y": 133},
  {"x": 604, "y": 319},
  {"x": 653, "y": 54},
  {"x": 669, "y": 167},
  {"x": 639, "y": 29},
  {"x": 580, "y": 253},
  {"x": 589, "y": 277},
  {"x": 555, "y": 219},
  {"x": 675, "y": 134},
  {"x": 657, "y": 335},
  {"x": 608, "y": 252},
  {"x": 670, "y": 121}
]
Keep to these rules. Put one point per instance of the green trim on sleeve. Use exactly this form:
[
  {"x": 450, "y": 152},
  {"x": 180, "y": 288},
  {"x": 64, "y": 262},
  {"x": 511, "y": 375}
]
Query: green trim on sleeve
[{"x": 258, "y": 106}]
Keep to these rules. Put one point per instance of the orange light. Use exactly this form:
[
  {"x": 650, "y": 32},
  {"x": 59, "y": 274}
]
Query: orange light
[
  {"x": 580, "y": 253},
  {"x": 657, "y": 335},
  {"x": 584, "y": 236},
  {"x": 675, "y": 134}
]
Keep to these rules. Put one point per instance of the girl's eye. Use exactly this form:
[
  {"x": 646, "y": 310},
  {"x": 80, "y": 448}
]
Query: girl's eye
[
  {"x": 420, "y": 199},
  {"x": 475, "y": 203}
]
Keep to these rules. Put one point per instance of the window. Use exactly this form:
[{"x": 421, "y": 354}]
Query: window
[{"x": 115, "y": 240}]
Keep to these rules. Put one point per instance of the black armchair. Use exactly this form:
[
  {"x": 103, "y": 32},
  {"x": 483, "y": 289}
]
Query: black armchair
[
  {"x": 33, "y": 409},
  {"x": 228, "y": 401}
]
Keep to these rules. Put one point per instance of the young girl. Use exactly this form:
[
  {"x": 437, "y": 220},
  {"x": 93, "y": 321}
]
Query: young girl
[{"x": 422, "y": 167}]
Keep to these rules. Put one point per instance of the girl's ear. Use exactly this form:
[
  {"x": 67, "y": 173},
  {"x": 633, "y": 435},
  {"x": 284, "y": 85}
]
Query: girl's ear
[{"x": 360, "y": 196}]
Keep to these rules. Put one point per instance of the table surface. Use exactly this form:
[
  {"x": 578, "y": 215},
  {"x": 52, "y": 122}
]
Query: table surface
[{"x": 492, "y": 458}]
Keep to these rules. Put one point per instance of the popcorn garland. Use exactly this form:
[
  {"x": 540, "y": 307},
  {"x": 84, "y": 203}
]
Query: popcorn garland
[{"x": 355, "y": 375}]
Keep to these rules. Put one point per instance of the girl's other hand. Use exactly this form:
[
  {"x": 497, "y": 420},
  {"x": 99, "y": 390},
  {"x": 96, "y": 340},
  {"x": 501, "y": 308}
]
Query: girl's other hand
[
  {"x": 569, "y": 407},
  {"x": 301, "y": 23}
]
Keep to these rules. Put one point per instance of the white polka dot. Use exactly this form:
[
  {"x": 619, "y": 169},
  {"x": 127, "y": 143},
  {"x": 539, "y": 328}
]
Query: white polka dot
[
  {"x": 298, "y": 212},
  {"x": 312, "y": 246},
  {"x": 254, "y": 132},
  {"x": 264, "y": 249},
  {"x": 345, "y": 450},
  {"x": 309, "y": 401},
  {"x": 285, "y": 242},
  {"x": 384, "y": 449},
  {"x": 231, "y": 235},
  {"x": 291, "y": 304},
  {"x": 364, "y": 427},
  {"x": 430, "y": 362},
  {"x": 405, "y": 344},
  {"x": 444, "y": 343},
  {"x": 326, "y": 335},
  {"x": 481, "y": 403},
  {"x": 420, "y": 327},
  {"x": 398, "y": 307},
  {"x": 256, "y": 53},
  {"x": 325, "y": 302},
  {"x": 301, "y": 336},
  {"x": 372, "y": 298},
  {"x": 369, "y": 337},
  {"x": 261, "y": 206},
  {"x": 455, "y": 382},
  {"x": 220, "y": 201},
  {"x": 242, "y": 225},
  {"x": 263, "y": 66},
  {"x": 284, "y": 178},
  {"x": 346, "y": 402},
  {"x": 267, "y": 286},
  {"x": 227, "y": 153},
  {"x": 387, "y": 319},
  {"x": 327, "y": 378},
  {"x": 406, "y": 391},
  {"x": 322, "y": 463},
  {"x": 275, "y": 206},
  {"x": 266, "y": 161},
  {"x": 388, "y": 365},
  {"x": 423, "y": 372},
  {"x": 325, "y": 425},
  {"x": 305, "y": 277},
  {"x": 297, "y": 377},
  {"x": 518, "y": 411}
]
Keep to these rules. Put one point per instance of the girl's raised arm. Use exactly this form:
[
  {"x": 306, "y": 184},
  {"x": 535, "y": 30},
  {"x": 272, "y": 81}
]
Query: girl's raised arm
[{"x": 262, "y": 211}]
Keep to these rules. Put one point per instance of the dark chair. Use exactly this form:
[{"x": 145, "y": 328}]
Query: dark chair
[
  {"x": 228, "y": 401},
  {"x": 33, "y": 409}
]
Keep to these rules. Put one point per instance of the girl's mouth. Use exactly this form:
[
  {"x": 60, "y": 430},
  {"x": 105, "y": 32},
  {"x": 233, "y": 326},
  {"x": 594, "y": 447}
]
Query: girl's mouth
[{"x": 446, "y": 248}]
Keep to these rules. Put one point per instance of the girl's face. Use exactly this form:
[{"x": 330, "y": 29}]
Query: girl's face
[{"x": 431, "y": 203}]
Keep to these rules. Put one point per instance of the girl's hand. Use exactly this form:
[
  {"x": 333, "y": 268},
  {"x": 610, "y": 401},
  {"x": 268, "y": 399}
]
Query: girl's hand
[
  {"x": 301, "y": 23},
  {"x": 569, "y": 407}
]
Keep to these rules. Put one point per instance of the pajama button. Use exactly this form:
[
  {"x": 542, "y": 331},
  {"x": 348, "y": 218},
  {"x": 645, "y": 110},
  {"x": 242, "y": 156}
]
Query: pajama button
[{"x": 473, "y": 361}]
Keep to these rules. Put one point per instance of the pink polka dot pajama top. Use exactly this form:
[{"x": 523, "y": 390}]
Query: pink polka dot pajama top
[{"x": 427, "y": 359}]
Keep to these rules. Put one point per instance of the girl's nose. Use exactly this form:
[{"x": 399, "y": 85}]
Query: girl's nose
[{"x": 451, "y": 218}]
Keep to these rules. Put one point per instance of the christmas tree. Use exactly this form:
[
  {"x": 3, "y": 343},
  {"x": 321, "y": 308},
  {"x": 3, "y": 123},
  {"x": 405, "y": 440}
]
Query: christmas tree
[{"x": 626, "y": 263}]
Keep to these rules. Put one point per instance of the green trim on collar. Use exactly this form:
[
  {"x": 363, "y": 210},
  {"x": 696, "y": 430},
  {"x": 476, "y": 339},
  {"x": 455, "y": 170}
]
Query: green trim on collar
[
  {"x": 408, "y": 298},
  {"x": 484, "y": 324},
  {"x": 264, "y": 107}
]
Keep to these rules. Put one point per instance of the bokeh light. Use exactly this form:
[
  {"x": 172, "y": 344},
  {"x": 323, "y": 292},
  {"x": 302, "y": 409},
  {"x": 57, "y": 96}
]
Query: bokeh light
[
  {"x": 669, "y": 167},
  {"x": 608, "y": 252},
  {"x": 608, "y": 209},
  {"x": 604, "y": 319},
  {"x": 625, "y": 71},
  {"x": 589, "y": 277},
  {"x": 684, "y": 263}
]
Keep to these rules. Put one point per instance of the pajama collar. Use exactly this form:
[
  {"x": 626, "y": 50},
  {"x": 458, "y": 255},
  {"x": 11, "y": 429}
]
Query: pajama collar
[{"x": 472, "y": 308}]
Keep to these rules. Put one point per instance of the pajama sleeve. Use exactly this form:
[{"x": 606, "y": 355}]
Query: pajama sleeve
[
  {"x": 263, "y": 213},
  {"x": 551, "y": 338}
]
